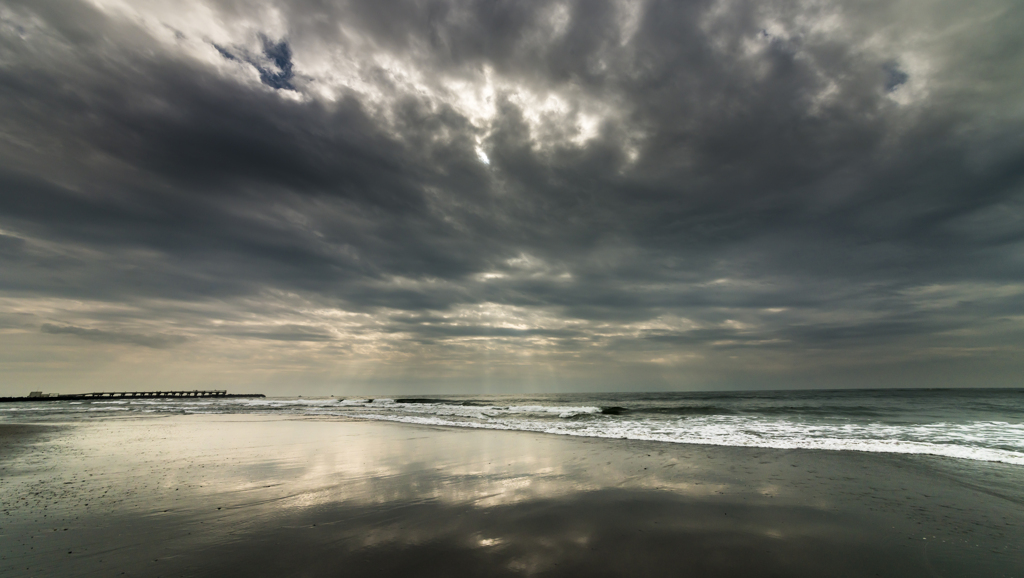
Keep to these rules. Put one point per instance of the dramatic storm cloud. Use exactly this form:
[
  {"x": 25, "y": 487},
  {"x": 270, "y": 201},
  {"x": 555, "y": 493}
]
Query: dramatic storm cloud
[{"x": 339, "y": 197}]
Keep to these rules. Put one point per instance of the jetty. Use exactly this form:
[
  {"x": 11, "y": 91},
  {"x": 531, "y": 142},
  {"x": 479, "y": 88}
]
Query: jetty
[{"x": 108, "y": 395}]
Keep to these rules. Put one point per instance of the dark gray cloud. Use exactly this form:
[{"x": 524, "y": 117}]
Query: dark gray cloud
[
  {"x": 422, "y": 178},
  {"x": 281, "y": 333},
  {"x": 155, "y": 341}
]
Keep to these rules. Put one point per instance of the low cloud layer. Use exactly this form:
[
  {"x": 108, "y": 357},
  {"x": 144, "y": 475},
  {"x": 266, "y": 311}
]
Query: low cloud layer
[
  {"x": 154, "y": 341},
  {"x": 315, "y": 197}
]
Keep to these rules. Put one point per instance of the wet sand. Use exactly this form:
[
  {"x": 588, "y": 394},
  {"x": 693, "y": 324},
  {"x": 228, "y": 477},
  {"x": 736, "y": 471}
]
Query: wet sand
[{"x": 255, "y": 496}]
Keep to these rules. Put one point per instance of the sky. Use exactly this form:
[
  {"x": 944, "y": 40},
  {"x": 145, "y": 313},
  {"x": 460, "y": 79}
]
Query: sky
[{"x": 324, "y": 197}]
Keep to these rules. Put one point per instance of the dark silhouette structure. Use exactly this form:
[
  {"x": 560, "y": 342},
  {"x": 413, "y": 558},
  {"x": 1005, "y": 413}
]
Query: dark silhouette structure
[{"x": 100, "y": 395}]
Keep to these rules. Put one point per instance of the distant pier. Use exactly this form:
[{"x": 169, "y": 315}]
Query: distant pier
[{"x": 109, "y": 395}]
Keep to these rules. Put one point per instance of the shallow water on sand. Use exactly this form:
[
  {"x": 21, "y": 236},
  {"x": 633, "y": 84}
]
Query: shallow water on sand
[{"x": 243, "y": 495}]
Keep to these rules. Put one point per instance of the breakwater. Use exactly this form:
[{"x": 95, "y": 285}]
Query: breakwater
[{"x": 107, "y": 395}]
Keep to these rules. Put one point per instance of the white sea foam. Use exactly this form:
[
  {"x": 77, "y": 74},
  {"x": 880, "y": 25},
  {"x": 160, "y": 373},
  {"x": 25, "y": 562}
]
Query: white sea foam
[
  {"x": 973, "y": 441},
  {"x": 257, "y": 402}
]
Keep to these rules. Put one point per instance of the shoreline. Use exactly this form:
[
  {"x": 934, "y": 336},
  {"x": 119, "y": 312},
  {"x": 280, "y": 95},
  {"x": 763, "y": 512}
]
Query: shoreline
[
  {"x": 961, "y": 455},
  {"x": 318, "y": 484},
  {"x": 984, "y": 429},
  {"x": 1012, "y": 460}
]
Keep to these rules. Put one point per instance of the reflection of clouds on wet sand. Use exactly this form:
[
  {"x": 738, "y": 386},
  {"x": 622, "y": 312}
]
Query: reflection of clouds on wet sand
[
  {"x": 310, "y": 462},
  {"x": 605, "y": 532},
  {"x": 277, "y": 496}
]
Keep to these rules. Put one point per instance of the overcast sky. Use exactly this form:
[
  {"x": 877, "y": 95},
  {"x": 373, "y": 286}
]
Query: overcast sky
[{"x": 328, "y": 197}]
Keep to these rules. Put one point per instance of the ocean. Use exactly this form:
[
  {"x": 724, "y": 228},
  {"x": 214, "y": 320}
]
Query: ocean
[{"x": 966, "y": 424}]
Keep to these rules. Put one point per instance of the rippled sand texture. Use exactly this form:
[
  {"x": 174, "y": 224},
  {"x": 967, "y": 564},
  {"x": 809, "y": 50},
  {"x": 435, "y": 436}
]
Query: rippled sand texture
[{"x": 259, "y": 496}]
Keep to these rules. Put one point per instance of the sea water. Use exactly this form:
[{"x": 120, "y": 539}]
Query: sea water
[{"x": 970, "y": 424}]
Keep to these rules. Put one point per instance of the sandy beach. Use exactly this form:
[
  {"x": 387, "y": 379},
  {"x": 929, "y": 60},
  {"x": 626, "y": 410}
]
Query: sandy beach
[
  {"x": 258, "y": 496},
  {"x": 499, "y": 288}
]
